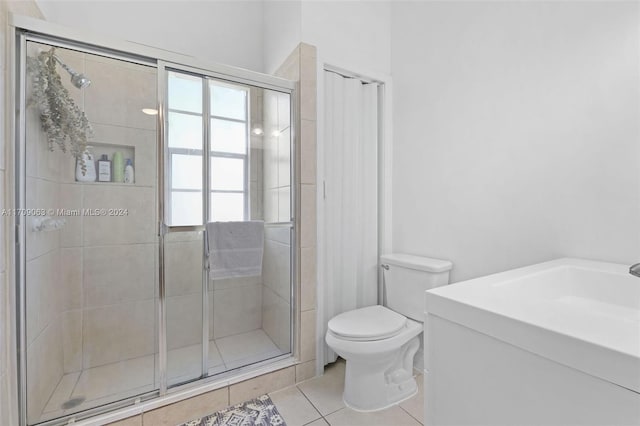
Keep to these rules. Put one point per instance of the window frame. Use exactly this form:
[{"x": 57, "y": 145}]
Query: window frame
[{"x": 207, "y": 83}]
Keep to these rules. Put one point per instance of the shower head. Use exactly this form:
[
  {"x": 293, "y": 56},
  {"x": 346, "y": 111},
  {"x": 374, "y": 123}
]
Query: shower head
[{"x": 77, "y": 79}]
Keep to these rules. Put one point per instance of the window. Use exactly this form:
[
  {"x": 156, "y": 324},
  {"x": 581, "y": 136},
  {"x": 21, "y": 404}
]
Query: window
[{"x": 227, "y": 126}]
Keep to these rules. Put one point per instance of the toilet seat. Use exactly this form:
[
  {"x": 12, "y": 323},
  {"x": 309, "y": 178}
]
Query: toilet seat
[{"x": 367, "y": 324}]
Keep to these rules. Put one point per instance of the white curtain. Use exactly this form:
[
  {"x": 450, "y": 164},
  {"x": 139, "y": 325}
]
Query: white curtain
[{"x": 351, "y": 198}]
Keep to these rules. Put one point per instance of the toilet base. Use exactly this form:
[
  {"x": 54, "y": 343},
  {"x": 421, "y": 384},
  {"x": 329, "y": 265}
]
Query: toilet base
[
  {"x": 377, "y": 382},
  {"x": 411, "y": 395}
]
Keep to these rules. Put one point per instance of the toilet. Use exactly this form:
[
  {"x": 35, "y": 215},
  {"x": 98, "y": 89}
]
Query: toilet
[{"x": 379, "y": 342}]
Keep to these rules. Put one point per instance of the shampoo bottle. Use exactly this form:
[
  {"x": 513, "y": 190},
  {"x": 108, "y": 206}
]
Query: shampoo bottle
[
  {"x": 128, "y": 172},
  {"x": 118, "y": 167},
  {"x": 104, "y": 169}
]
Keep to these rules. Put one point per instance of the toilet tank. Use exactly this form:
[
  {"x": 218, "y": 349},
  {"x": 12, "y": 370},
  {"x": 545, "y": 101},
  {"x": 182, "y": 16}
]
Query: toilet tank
[{"x": 407, "y": 277}]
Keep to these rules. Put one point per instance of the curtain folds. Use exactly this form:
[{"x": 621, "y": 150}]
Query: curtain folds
[{"x": 351, "y": 198}]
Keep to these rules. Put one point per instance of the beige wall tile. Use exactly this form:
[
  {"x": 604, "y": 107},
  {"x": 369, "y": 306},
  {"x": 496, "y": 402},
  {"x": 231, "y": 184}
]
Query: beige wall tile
[
  {"x": 284, "y": 119},
  {"x": 43, "y": 293},
  {"x": 139, "y": 226},
  {"x": 71, "y": 199},
  {"x": 237, "y": 310},
  {"x": 307, "y": 100},
  {"x": 260, "y": 385},
  {"x": 305, "y": 371},
  {"x": 278, "y": 234},
  {"x": 307, "y": 50},
  {"x": 271, "y": 205},
  {"x": 308, "y": 278},
  {"x": 290, "y": 68},
  {"x": 183, "y": 267},
  {"x": 41, "y": 194},
  {"x": 188, "y": 409},
  {"x": 308, "y": 335},
  {"x": 116, "y": 332},
  {"x": 184, "y": 320},
  {"x": 276, "y": 268},
  {"x": 119, "y": 273},
  {"x": 44, "y": 367},
  {"x": 276, "y": 319},
  {"x": 72, "y": 340},
  {"x": 129, "y": 421},
  {"x": 71, "y": 281},
  {"x": 234, "y": 282},
  {"x": 308, "y": 216},
  {"x": 308, "y": 151},
  {"x": 119, "y": 93}
]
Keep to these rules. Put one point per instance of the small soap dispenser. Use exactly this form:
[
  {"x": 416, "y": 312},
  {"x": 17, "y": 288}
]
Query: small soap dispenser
[
  {"x": 104, "y": 169},
  {"x": 89, "y": 172},
  {"x": 128, "y": 172}
]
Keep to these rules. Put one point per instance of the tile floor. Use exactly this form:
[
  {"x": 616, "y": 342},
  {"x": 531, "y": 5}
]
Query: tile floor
[
  {"x": 125, "y": 379},
  {"x": 318, "y": 401}
]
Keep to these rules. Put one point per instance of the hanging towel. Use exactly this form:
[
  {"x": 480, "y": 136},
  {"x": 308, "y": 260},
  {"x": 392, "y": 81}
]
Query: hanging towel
[{"x": 235, "y": 248}]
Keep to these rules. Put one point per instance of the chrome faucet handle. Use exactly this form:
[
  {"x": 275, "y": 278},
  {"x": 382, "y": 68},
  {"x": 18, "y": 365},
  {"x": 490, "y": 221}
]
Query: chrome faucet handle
[{"x": 635, "y": 270}]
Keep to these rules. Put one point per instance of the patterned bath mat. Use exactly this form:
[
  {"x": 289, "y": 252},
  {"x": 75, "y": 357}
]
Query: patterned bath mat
[{"x": 257, "y": 412}]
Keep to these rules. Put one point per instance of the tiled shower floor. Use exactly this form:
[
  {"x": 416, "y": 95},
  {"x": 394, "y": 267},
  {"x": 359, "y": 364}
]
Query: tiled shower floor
[{"x": 112, "y": 382}]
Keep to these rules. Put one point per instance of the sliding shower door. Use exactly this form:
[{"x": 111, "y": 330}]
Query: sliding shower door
[
  {"x": 90, "y": 237},
  {"x": 121, "y": 161},
  {"x": 227, "y": 159}
]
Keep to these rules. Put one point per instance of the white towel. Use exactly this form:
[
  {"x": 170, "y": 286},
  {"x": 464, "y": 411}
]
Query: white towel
[{"x": 235, "y": 248}]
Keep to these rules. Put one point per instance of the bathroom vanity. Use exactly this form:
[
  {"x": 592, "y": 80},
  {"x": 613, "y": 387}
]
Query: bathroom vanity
[{"x": 557, "y": 343}]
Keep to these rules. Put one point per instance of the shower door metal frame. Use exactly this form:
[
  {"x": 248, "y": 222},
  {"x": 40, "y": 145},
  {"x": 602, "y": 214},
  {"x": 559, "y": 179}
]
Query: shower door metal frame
[
  {"x": 207, "y": 75},
  {"x": 24, "y": 29}
]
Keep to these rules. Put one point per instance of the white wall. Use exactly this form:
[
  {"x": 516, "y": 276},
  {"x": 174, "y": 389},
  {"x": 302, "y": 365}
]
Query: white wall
[
  {"x": 516, "y": 134},
  {"x": 351, "y": 34},
  {"x": 228, "y": 32},
  {"x": 355, "y": 35},
  {"x": 282, "y": 31}
]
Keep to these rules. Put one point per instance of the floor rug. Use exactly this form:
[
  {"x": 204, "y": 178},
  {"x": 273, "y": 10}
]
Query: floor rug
[{"x": 256, "y": 412}]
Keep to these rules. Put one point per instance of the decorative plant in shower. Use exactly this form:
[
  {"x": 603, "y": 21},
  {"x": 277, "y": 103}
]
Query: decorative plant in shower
[{"x": 65, "y": 125}]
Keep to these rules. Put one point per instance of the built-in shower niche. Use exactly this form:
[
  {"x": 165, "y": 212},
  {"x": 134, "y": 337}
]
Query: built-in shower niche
[{"x": 99, "y": 149}]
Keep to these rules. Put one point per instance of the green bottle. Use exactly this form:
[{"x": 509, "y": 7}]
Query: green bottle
[{"x": 118, "y": 167}]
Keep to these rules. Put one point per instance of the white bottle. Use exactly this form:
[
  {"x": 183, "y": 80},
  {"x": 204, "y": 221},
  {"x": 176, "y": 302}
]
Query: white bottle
[{"x": 128, "y": 172}]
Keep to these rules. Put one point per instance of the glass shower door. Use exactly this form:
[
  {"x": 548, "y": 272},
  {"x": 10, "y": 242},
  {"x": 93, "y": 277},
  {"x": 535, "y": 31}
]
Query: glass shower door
[
  {"x": 91, "y": 243},
  {"x": 246, "y": 131}
]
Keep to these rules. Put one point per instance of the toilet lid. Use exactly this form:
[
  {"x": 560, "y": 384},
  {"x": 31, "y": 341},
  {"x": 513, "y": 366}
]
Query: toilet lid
[{"x": 370, "y": 323}]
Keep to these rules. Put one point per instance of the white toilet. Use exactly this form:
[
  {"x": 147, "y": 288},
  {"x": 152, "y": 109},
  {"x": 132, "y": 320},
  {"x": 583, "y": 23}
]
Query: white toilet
[{"x": 378, "y": 342}]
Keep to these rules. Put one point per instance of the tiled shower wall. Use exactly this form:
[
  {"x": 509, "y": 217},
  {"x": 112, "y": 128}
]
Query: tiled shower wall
[
  {"x": 90, "y": 285},
  {"x": 301, "y": 65}
]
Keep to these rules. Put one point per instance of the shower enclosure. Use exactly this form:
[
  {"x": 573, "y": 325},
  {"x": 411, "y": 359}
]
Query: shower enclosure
[{"x": 114, "y": 301}]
